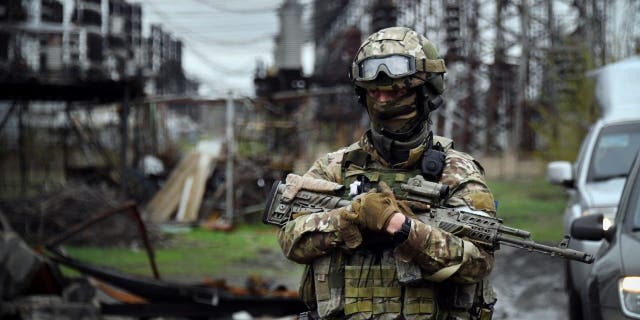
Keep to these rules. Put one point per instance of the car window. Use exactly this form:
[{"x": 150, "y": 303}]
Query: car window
[
  {"x": 583, "y": 150},
  {"x": 636, "y": 220},
  {"x": 614, "y": 152},
  {"x": 633, "y": 211}
]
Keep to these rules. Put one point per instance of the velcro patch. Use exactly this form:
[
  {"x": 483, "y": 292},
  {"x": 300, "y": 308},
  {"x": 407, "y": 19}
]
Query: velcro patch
[{"x": 482, "y": 201}]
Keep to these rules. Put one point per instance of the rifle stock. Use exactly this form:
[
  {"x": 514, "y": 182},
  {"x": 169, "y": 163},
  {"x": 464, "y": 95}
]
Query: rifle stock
[
  {"x": 482, "y": 230},
  {"x": 278, "y": 211}
]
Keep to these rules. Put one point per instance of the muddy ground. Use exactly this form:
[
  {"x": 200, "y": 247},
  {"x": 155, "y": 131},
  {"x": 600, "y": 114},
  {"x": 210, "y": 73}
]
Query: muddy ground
[{"x": 529, "y": 285}]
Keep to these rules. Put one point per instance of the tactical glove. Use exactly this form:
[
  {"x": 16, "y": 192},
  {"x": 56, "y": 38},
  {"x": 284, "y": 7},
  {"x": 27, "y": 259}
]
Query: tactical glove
[
  {"x": 373, "y": 210},
  {"x": 348, "y": 231},
  {"x": 409, "y": 208}
]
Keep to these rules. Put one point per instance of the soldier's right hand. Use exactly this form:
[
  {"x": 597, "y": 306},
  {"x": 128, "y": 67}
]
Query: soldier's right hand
[
  {"x": 373, "y": 210},
  {"x": 410, "y": 208}
]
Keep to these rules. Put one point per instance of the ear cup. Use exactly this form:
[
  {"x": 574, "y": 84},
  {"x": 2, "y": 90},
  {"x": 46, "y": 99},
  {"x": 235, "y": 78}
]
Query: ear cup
[
  {"x": 435, "y": 84},
  {"x": 435, "y": 103},
  {"x": 427, "y": 98}
]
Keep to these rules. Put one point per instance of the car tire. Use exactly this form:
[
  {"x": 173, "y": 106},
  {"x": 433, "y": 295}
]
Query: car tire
[{"x": 574, "y": 303}]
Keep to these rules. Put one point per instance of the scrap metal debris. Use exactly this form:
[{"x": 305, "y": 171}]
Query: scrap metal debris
[
  {"x": 23, "y": 271},
  {"x": 40, "y": 218}
]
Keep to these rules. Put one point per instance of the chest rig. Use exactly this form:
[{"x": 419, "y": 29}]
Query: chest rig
[{"x": 358, "y": 167}]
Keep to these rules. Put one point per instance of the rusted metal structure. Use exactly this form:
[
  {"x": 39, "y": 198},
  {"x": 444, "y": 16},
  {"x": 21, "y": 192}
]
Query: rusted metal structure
[
  {"x": 505, "y": 58},
  {"x": 59, "y": 57}
]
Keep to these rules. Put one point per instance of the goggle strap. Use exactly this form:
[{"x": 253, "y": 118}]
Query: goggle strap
[
  {"x": 355, "y": 72},
  {"x": 431, "y": 65}
]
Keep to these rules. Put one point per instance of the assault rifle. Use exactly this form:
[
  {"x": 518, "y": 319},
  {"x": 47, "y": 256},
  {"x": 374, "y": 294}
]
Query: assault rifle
[{"x": 483, "y": 230}]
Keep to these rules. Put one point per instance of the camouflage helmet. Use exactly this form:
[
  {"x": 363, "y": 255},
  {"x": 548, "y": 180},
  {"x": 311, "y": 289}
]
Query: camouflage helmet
[{"x": 407, "y": 58}]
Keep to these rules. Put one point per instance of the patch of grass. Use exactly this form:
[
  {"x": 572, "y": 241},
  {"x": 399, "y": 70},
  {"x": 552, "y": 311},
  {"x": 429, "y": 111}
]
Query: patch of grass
[
  {"x": 531, "y": 204},
  {"x": 194, "y": 254}
]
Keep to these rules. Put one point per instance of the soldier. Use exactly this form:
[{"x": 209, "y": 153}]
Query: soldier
[{"x": 376, "y": 259}]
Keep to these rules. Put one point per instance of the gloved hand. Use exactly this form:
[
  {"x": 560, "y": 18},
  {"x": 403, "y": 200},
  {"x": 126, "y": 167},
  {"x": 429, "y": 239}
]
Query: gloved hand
[
  {"x": 409, "y": 207},
  {"x": 373, "y": 210},
  {"x": 348, "y": 231}
]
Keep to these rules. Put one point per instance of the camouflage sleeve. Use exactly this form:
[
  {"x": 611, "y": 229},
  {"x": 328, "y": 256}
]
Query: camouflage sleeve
[
  {"x": 329, "y": 167},
  {"x": 444, "y": 255},
  {"x": 310, "y": 236},
  {"x": 319, "y": 170},
  {"x": 441, "y": 253},
  {"x": 467, "y": 185}
]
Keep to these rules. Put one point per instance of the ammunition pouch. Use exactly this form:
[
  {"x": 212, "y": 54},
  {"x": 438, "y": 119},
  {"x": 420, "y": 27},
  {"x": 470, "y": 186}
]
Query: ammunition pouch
[
  {"x": 487, "y": 300},
  {"x": 471, "y": 301},
  {"x": 371, "y": 288},
  {"x": 307, "y": 289},
  {"x": 328, "y": 282}
]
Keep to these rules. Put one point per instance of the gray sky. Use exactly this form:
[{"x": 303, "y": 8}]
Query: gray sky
[{"x": 223, "y": 40}]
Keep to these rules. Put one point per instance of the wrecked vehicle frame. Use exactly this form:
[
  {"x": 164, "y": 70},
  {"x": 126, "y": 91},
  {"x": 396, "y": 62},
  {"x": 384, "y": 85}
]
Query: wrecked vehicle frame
[{"x": 130, "y": 295}]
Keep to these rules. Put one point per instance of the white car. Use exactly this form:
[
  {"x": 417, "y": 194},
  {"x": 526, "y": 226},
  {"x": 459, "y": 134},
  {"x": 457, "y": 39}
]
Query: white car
[{"x": 596, "y": 180}]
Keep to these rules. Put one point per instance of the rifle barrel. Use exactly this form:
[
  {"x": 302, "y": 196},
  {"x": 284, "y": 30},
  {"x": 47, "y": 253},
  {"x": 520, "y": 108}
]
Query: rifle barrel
[
  {"x": 553, "y": 251},
  {"x": 515, "y": 232}
]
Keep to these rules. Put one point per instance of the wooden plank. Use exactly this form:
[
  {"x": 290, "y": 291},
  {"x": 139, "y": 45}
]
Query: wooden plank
[
  {"x": 165, "y": 202},
  {"x": 198, "y": 188},
  {"x": 184, "y": 199}
]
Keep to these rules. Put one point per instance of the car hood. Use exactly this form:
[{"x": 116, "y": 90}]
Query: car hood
[
  {"x": 605, "y": 193},
  {"x": 629, "y": 246}
]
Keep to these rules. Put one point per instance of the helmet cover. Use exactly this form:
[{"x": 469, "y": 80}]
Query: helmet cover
[{"x": 398, "y": 41}]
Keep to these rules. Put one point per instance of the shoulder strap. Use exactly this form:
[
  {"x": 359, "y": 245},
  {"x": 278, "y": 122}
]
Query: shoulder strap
[
  {"x": 442, "y": 143},
  {"x": 358, "y": 157}
]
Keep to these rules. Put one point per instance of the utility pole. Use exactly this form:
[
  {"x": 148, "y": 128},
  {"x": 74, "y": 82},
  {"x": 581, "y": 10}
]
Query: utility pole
[
  {"x": 22, "y": 155},
  {"x": 229, "y": 164},
  {"x": 124, "y": 141},
  {"x": 522, "y": 78}
]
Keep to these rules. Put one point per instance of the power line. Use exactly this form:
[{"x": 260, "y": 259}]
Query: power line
[
  {"x": 204, "y": 58},
  {"x": 236, "y": 11},
  {"x": 226, "y": 29},
  {"x": 234, "y": 42}
]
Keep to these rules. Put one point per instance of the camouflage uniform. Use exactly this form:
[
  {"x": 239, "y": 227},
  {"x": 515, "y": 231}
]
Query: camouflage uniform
[
  {"x": 361, "y": 280},
  {"x": 361, "y": 272}
]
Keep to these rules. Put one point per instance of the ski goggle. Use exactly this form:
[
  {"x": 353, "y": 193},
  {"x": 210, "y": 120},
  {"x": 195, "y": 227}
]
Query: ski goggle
[{"x": 395, "y": 66}]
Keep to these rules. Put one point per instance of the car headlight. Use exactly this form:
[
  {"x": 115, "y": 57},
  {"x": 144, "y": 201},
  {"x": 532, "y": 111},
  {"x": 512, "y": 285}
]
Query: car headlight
[
  {"x": 607, "y": 223},
  {"x": 609, "y": 214},
  {"x": 629, "y": 288}
]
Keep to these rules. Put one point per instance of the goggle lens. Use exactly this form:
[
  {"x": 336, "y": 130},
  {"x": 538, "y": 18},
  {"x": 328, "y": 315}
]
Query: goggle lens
[{"x": 394, "y": 66}]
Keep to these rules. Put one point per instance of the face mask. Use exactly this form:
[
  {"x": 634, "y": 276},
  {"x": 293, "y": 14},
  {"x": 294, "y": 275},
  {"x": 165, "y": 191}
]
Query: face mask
[{"x": 398, "y": 115}]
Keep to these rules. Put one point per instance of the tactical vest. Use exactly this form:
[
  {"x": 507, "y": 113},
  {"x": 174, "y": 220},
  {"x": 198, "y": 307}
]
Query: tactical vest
[{"x": 370, "y": 283}]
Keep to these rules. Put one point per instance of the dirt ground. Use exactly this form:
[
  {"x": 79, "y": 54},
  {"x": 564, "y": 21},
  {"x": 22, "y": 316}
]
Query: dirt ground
[{"x": 529, "y": 285}]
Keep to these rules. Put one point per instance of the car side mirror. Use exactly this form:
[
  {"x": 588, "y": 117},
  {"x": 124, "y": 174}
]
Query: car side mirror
[
  {"x": 560, "y": 173},
  {"x": 590, "y": 228}
]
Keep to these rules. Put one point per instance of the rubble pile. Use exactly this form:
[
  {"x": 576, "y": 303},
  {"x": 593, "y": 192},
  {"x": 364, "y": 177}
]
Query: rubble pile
[{"x": 48, "y": 215}]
